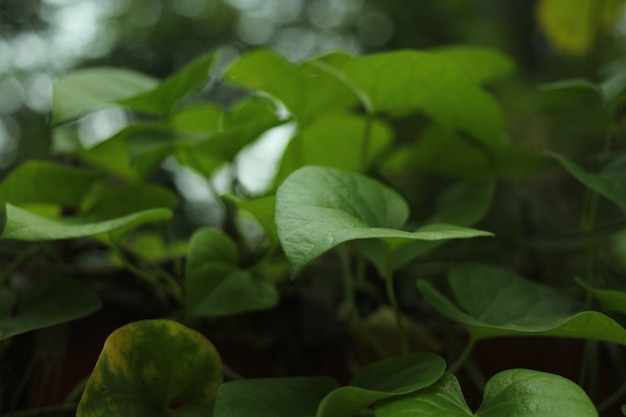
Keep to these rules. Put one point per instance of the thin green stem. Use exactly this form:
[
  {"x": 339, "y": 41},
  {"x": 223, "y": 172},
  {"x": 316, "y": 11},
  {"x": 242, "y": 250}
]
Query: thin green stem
[
  {"x": 19, "y": 260},
  {"x": 365, "y": 144},
  {"x": 391, "y": 294},
  {"x": 354, "y": 309},
  {"x": 463, "y": 357}
]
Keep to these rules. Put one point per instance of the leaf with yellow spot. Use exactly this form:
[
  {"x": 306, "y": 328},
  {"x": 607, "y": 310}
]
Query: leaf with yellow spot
[
  {"x": 153, "y": 368},
  {"x": 573, "y": 26}
]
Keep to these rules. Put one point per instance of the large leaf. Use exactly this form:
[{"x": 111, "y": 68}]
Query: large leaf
[
  {"x": 494, "y": 302},
  {"x": 84, "y": 90},
  {"x": 49, "y": 301},
  {"x": 153, "y": 368},
  {"x": 402, "y": 82},
  {"x": 347, "y": 136},
  {"x": 275, "y": 397},
  {"x": 214, "y": 283},
  {"x": 305, "y": 89},
  {"x": 384, "y": 379},
  {"x": 318, "y": 208},
  {"x": 574, "y": 30},
  {"x": 610, "y": 181},
  {"x": 46, "y": 182},
  {"x": 23, "y": 225},
  {"x": 514, "y": 392},
  {"x": 162, "y": 99}
]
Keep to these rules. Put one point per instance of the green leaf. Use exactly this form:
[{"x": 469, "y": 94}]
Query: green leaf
[
  {"x": 111, "y": 202},
  {"x": 263, "y": 209},
  {"x": 318, "y": 208},
  {"x": 162, "y": 99},
  {"x": 493, "y": 302},
  {"x": 342, "y": 133},
  {"x": 49, "y": 301},
  {"x": 84, "y": 90},
  {"x": 610, "y": 181},
  {"x": 204, "y": 118},
  {"x": 402, "y": 82},
  {"x": 215, "y": 285},
  {"x": 153, "y": 368},
  {"x": 479, "y": 64},
  {"x": 610, "y": 300},
  {"x": 514, "y": 392},
  {"x": 384, "y": 379},
  {"x": 23, "y": 225},
  {"x": 274, "y": 397},
  {"x": 306, "y": 90},
  {"x": 46, "y": 182},
  {"x": 574, "y": 30}
]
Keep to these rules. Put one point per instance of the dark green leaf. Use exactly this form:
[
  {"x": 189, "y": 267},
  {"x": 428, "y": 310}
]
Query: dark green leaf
[
  {"x": 610, "y": 300},
  {"x": 133, "y": 378},
  {"x": 109, "y": 202},
  {"x": 275, "y": 397},
  {"x": 49, "y": 301}
]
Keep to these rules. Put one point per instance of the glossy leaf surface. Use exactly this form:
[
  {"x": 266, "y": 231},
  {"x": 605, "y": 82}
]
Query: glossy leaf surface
[
  {"x": 214, "y": 283},
  {"x": 49, "y": 301},
  {"x": 383, "y": 379},
  {"x": 275, "y": 397},
  {"x": 133, "y": 378},
  {"x": 493, "y": 302},
  {"x": 514, "y": 392}
]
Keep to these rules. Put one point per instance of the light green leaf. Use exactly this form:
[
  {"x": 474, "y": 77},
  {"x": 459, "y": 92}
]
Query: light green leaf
[
  {"x": 305, "y": 89},
  {"x": 318, "y": 208},
  {"x": 494, "y": 302},
  {"x": 480, "y": 65},
  {"x": 610, "y": 300},
  {"x": 402, "y": 82},
  {"x": 273, "y": 397},
  {"x": 23, "y": 225},
  {"x": 204, "y": 118},
  {"x": 387, "y": 378},
  {"x": 49, "y": 301},
  {"x": 610, "y": 181},
  {"x": 133, "y": 378},
  {"x": 215, "y": 285},
  {"x": 263, "y": 209},
  {"x": 46, "y": 182},
  {"x": 162, "y": 99},
  {"x": 514, "y": 392},
  {"x": 342, "y": 133}
]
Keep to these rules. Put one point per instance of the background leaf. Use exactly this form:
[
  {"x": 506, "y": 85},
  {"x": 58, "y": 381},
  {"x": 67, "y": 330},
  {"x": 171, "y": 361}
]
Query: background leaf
[
  {"x": 133, "y": 378},
  {"x": 48, "y": 302},
  {"x": 274, "y": 397}
]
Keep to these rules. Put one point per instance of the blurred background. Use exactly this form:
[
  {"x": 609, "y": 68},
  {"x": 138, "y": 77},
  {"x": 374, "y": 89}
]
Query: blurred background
[{"x": 42, "y": 39}]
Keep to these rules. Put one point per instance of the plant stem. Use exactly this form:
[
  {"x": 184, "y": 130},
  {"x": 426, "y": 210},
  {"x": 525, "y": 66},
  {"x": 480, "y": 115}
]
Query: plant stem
[
  {"x": 463, "y": 357},
  {"x": 354, "y": 309},
  {"x": 391, "y": 294},
  {"x": 365, "y": 145}
]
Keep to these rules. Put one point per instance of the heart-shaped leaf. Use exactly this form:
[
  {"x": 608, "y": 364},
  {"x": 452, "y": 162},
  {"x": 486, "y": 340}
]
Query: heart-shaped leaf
[
  {"x": 318, "y": 208},
  {"x": 495, "y": 302},
  {"x": 275, "y": 397},
  {"x": 514, "y": 392},
  {"x": 84, "y": 90},
  {"x": 23, "y": 225},
  {"x": 384, "y": 379},
  {"x": 305, "y": 89},
  {"x": 153, "y": 368},
  {"x": 50, "y": 301},
  {"x": 610, "y": 181},
  {"x": 215, "y": 285}
]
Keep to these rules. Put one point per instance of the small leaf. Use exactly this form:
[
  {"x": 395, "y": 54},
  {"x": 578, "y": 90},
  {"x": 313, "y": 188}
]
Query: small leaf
[
  {"x": 23, "y": 225},
  {"x": 514, "y": 392},
  {"x": 494, "y": 302},
  {"x": 342, "y": 133},
  {"x": 610, "y": 181},
  {"x": 384, "y": 379},
  {"x": 46, "y": 182},
  {"x": 263, "y": 209},
  {"x": 318, "y": 208},
  {"x": 215, "y": 285},
  {"x": 49, "y": 301},
  {"x": 84, "y": 90},
  {"x": 133, "y": 378},
  {"x": 274, "y": 397}
]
